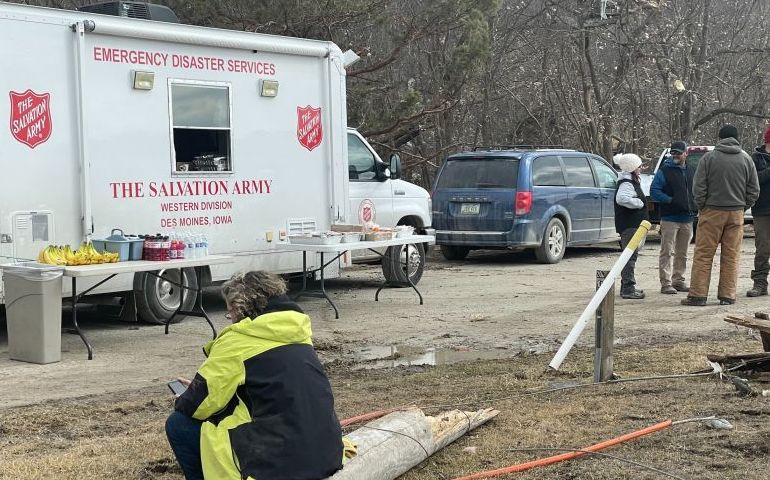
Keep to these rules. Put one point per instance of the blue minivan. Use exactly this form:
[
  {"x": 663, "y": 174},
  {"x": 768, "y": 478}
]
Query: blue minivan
[{"x": 539, "y": 199}]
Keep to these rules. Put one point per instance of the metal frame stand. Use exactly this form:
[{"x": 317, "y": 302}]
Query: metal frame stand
[
  {"x": 408, "y": 282},
  {"x": 321, "y": 293},
  {"x": 198, "y": 310},
  {"x": 74, "y": 299}
]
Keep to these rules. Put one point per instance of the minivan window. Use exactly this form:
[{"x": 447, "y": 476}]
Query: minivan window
[
  {"x": 479, "y": 173},
  {"x": 579, "y": 173},
  {"x": 607, "y": 176},
  {"x": 546, "y": 171}
]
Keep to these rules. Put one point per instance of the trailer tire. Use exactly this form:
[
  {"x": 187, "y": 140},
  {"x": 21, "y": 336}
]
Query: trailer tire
[
  {"x": 156, "y": 299},
  {"x": 394, "y": 263}
]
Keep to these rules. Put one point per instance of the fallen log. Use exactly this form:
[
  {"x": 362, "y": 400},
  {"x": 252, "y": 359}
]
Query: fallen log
[{"x": 394, "y": 444}]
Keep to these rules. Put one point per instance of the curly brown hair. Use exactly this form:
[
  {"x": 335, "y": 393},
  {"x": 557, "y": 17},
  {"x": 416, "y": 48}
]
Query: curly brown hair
[{"x": 247, "y": 294}]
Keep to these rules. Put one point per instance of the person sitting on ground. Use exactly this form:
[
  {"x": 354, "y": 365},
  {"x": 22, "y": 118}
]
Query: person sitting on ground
[
  {"x": 672, "y": 189},
  {"x": 261, "y": 405},
  {"x": 630, "y": 211}
]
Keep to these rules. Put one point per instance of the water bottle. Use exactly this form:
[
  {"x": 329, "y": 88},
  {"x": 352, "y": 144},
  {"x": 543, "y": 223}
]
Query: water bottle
[
  {"x": 190, "y": 244},
  {"x": 199, "y": 246},
  {"x": 205, "y": 242}
]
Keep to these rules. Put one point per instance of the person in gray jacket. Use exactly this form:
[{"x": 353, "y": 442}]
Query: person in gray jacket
[{"x": 725, "y": 185}]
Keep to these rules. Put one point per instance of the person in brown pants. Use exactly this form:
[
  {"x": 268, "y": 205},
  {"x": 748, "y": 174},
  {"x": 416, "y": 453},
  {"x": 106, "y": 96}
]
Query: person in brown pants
[{"x": 725, "y": 185}]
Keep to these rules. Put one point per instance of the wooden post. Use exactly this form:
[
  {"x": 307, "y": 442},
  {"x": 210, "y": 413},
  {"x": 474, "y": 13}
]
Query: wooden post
[{"x": 605, "y": 333}]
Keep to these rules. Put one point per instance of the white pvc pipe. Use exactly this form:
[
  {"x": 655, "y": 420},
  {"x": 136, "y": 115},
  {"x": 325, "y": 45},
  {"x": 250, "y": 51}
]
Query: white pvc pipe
[{"x": 589, "y": 311}]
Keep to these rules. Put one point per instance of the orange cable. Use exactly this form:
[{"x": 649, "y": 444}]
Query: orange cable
[
  {"x": 567, "y": 456},
  {"x": 368, "y": 416}
]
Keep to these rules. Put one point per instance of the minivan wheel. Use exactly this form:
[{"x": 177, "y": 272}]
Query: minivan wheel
[
  {"x": 452, "y": 252},
  {"x": 554, "y": 243}
]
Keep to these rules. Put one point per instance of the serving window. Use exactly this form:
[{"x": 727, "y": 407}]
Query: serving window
[{"x": 201, "y": 126}]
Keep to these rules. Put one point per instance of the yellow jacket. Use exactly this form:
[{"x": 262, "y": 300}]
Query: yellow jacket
[{"x": 266, "y": 402}]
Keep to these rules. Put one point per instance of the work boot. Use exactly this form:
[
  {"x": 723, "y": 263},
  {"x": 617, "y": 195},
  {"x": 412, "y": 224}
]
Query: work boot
[
  {"x": 757, "y": 291},
  {"x": 726, "y": 301},
  {"x": 668, "y": 290},
  {"x": 681, "y": 287},
  {"x": 694, "y": 301},
  {"x": 632, "y": 295}
]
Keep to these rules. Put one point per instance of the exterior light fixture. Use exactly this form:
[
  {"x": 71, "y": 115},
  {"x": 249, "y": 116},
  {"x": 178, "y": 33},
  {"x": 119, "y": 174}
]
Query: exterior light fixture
[
  {"x": 143, "y": 80},
  {"x": 349, "y": 58},
  {"x": 268, "y": 88}
]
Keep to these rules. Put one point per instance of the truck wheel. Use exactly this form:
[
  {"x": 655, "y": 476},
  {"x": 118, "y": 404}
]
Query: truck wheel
[
  {"x": 156, "y": 299},
  {"x": 394, "y": 263},
  {"x": 551, "y": 249},
  {"x": 452, "y": 252}
]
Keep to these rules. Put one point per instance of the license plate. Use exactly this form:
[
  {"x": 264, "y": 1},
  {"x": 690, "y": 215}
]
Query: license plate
[{"x": 470, "y": 208}]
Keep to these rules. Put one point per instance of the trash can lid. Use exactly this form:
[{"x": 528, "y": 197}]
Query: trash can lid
[
  {"x": 33, "y": 271},
  {"x": 27, "y": 267}
]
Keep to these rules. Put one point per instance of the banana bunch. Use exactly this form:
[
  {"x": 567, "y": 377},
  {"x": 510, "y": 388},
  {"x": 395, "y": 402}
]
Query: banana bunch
[
  {"x": 52, "y": 255},
  {"x": 85, "y": 255}
]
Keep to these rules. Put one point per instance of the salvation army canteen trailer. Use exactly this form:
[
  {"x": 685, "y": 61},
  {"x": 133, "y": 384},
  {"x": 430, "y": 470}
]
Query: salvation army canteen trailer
[{"x": 160, "y": 127}]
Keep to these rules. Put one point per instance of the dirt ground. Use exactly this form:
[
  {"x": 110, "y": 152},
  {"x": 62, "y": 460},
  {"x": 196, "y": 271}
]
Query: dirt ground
[{"x": 103, "y": 418}]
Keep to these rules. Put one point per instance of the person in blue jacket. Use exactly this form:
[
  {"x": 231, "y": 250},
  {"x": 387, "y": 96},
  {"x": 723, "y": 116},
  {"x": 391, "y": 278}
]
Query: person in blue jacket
[{"x": 672, "y": 189}]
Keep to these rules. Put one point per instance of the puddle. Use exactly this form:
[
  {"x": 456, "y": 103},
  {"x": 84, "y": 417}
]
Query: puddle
[{"x": 390, "y": 356}]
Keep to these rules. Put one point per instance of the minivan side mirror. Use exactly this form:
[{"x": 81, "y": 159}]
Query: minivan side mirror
[{"x": 395, "y": 166}]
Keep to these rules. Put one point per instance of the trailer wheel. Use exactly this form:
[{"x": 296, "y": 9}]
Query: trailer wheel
[
  {"x": 156, "y": 299},
  {"x": 394, "y": 263}
]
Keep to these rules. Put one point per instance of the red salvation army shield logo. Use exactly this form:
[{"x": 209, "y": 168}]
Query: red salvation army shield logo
[
  {"x": 366, "y": 211},
  {"x": 309, "y": 129},
  {"x": 31, "y": 117}
]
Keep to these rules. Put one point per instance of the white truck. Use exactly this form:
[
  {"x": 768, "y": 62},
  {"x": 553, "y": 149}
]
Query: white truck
[{"x": 160, "y": 127}]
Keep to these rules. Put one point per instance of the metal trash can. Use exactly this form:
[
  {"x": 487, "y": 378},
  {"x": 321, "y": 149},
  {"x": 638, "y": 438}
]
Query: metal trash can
[{"x": 33, "y": 311}]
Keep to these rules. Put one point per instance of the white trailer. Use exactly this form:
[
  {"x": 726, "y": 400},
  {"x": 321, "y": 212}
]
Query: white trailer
[{"x": 160, "y": 127}]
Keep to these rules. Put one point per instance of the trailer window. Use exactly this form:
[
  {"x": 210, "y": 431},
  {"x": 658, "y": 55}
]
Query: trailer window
[{"x": 200, "y": 117}]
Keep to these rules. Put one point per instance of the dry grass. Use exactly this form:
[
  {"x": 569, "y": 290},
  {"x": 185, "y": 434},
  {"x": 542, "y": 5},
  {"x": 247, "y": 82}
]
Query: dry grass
[{"x": 121, "y": 436}]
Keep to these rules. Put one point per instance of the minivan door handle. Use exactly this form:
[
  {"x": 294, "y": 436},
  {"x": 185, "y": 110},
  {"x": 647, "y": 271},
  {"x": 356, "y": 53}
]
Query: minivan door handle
[
  {"x": 399, "y": 192},
  {"x": 596, "y": 195}
]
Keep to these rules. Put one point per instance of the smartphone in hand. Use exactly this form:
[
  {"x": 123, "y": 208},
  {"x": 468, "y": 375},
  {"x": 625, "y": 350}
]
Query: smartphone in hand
[{"x": 177, "y": 387}]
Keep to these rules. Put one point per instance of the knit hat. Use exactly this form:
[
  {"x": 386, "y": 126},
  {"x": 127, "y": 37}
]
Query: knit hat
[
  {"x": 728, "y": 131},
  {"x": 678, "y": 148},
  {"x": 628, "y": 162},
  {"x": 767, "y": 135}
]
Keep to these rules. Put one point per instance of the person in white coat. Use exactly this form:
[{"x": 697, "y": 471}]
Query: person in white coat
[{"x": 630, "y": 211}]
